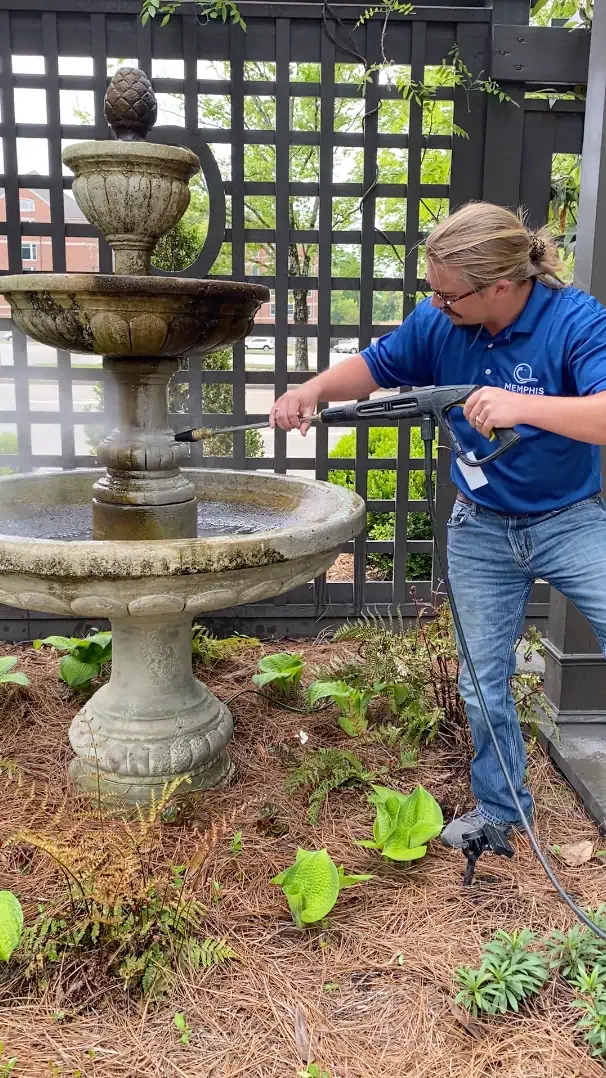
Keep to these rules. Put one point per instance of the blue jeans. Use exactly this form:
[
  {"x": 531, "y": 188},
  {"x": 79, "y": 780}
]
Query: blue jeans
[{"x": 493, "y": 561}]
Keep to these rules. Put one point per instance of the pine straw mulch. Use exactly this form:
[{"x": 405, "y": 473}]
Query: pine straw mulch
[{"x": 374, "y": 991}]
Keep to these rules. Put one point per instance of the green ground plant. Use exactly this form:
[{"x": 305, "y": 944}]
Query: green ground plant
[
  {"x": 11, "y": 924},
  {"x": 352, "y": 703},
  {"x": 419, "y": 669},
  {"x": 515, "y": 966},
  {"x": 122, "y": 911},
  {"x": 85, "y": 657},
  {"x": 282, "y": 673},
  {"x": 323, "y": 771},
  {"x": 8, "y": 674},
  {"x": 508, "y": 975},
  {"x": 210, "y": 650},
  {"x": 312, "y": 885},
  {"x": 404, "y": 823}
]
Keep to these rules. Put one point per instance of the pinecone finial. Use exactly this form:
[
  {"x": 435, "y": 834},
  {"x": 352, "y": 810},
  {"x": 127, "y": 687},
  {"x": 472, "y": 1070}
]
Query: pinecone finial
[{"x": 130, "y": 109}]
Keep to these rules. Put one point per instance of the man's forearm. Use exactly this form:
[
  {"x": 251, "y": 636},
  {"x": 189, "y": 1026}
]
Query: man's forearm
[
  {"x": 581, "y": 418},
  {"x": 348, "y": 380}
]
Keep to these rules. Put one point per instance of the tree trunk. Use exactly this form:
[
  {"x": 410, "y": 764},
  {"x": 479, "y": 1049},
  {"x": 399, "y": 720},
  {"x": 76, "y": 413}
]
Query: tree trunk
[
  {"x": 301, "y": 317},
  {"x": 298, "y": 266}
]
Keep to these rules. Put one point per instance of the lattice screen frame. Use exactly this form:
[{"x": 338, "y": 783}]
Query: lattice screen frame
[{"x": 281, "y": 34}]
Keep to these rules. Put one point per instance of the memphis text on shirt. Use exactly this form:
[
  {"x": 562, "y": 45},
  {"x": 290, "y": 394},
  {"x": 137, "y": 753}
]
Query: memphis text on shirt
[{"x": 524, "y": 382}]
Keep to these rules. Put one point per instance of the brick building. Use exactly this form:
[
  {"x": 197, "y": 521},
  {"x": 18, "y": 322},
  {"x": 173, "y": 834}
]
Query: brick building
[{"x": 81, "y": 252}]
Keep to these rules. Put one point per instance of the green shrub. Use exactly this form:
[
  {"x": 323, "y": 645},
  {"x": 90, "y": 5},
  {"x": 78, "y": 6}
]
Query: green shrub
[
  {"x": 383, "y": 442},
  {"x": 8, "y": 444}
]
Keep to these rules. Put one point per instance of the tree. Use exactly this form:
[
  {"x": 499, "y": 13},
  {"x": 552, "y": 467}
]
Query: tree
[{"x": 180, "y": 247}]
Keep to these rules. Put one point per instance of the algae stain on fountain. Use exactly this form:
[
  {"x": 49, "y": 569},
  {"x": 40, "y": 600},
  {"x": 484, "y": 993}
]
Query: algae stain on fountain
[{"x": 60, "y": 553}]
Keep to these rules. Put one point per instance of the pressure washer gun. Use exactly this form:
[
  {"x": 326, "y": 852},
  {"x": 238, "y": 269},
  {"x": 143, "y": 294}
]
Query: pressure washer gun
[{"x": 434, "y": 403}]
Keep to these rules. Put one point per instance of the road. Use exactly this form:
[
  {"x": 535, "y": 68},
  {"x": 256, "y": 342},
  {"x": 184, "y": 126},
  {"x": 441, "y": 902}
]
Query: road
[{"x": 44, "y": 397}]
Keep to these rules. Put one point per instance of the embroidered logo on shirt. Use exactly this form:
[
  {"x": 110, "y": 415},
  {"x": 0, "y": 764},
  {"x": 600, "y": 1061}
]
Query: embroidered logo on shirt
[
  {"x": 523, "y": 374},
  {"x": 524, "y": 381}
]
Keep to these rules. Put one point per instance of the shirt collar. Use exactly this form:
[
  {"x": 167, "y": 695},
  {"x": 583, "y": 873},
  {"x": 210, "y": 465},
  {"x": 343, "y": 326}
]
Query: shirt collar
[{"x": 526, "y": 322}]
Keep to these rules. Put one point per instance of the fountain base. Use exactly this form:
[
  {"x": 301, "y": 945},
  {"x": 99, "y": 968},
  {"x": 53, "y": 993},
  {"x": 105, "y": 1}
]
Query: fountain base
[{"x": 154, "y": 720}]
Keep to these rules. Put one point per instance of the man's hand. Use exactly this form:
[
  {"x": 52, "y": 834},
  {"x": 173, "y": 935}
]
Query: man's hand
[
  {"x": 488, "y": 408},
  {"x": 289, "y": 411}
]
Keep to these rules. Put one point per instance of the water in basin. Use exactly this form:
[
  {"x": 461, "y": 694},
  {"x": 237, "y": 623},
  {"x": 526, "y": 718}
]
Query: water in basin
[{"x": 215, "y": 518}]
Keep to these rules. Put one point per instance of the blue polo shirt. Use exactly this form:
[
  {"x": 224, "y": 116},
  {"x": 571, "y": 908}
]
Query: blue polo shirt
[{"x": 556, "y": 346}]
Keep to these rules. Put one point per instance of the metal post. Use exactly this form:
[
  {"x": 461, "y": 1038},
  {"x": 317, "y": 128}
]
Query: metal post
[{"x": 575, "y": 674}]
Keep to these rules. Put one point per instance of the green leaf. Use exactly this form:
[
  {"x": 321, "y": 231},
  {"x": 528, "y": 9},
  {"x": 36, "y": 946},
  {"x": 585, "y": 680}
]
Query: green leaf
[
  {"x": 334, "y": 690},
  {"x": 18, "y": 678},
  {"x": 180, "y": 1021},
  {"x": 282, "y": 668},
  {"x": 539, "y": 5},
  {"x": 77, "y": 673},
  {"x": 11, "y": 924},
  {"x": 351, "y": 881},
  {"x": 62, "y": 643},
  {"x": 7, "y": 662}
]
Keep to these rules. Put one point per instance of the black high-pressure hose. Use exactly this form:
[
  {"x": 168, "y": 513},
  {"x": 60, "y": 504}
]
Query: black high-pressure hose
[{"x": 428, "y": 429}]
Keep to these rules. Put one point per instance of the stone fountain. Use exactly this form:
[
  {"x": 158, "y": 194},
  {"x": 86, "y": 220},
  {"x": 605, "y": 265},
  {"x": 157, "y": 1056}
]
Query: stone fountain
[{"x": 160, "y": 545}]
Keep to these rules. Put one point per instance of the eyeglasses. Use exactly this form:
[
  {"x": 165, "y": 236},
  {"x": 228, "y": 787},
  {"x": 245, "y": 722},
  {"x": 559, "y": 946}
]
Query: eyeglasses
[{"x": 449, "y": 300}]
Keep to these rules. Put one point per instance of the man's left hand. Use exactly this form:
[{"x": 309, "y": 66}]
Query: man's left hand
[{"x": 488, "y": 408}]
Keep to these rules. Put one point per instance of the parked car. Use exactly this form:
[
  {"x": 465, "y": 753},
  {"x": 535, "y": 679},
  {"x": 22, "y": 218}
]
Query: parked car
[
  {"x": 346, "y": 345},
  {"x": 260, "y": 344}
]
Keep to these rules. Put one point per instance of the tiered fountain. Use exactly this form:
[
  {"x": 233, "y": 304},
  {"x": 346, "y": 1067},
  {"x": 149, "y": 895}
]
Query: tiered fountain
[{"x": 161, "y": 545}]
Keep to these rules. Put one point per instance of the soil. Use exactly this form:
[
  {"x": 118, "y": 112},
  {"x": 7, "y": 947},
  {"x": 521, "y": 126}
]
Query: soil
[{"x": 373, "y": 992}]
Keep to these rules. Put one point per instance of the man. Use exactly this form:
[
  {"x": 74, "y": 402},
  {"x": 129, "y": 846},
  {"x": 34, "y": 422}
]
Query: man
[{"x": 500, "y": 318}]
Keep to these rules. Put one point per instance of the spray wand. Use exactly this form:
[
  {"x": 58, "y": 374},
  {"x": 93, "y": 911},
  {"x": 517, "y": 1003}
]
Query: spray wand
[{"x": 436, "y": 402}]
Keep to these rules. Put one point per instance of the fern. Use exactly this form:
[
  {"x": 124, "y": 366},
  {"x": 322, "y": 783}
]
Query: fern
[
  {"x": 211, "y": 952},
  {"x": 325, "y": 770},
  {"x": 122, "y": 902},
  {"x": 209, "y": 650}
]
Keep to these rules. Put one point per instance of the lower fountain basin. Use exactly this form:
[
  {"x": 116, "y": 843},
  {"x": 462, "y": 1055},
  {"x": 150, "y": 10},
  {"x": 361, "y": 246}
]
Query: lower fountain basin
[
  {"x": 101, "y": 314},
  {"x": 259, "y": 536}
]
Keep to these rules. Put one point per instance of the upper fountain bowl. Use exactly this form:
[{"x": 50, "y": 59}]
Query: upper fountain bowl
[
  {"x": 133, "y": 192},
  {"x": 132, "y": 316}
]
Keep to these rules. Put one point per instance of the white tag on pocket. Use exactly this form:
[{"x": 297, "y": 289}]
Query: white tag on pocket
[{"x": 474, "y": 477}]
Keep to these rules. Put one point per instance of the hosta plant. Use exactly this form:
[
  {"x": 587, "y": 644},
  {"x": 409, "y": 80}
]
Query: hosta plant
[
  {"x": 351, "y": 702},
  {"x": 312, "y": 885},
  {"x": 11, "y": 924},
  {"x": 404, "y": 823},
  {"x": 8, "y": 672},
  {"x": 84, "y": 658},
  {"x": 281, "y": 672}
]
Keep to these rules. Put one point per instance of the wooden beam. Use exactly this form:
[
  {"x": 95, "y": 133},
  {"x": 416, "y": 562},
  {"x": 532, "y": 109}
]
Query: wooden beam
[{"x": 545, "y": 54}]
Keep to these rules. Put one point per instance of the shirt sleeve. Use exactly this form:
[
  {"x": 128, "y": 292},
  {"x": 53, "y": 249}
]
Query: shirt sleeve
[
  {"x": 403, "y": 357},
  {"x": 587, "y": 358}
]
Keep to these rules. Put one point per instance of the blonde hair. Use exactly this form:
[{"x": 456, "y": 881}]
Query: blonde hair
[{"x": 485, "y": 243}]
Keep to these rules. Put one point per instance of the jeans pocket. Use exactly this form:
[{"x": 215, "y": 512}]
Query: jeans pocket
[{"x": 460, "y": 514}]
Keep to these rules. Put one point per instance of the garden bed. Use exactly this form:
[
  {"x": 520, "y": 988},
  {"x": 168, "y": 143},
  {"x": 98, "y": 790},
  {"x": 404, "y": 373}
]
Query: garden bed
[{"x": 372, "y": 991}]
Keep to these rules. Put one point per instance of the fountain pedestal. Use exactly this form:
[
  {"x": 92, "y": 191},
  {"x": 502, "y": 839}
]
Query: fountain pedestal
[
  {"x": 153, "y": 720},
  {"x": 143, "y": 494}
]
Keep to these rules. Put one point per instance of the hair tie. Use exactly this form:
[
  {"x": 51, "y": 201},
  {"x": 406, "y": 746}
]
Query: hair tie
[{"x": 537, "y": 250}]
